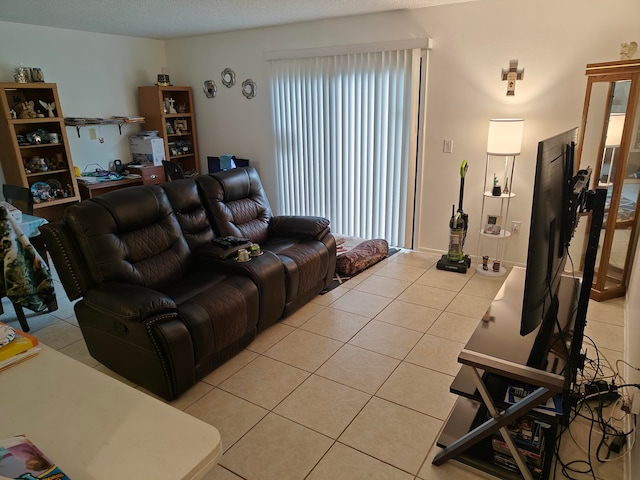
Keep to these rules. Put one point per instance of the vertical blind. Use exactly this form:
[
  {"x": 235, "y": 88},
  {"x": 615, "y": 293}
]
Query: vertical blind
[{"x": 346, "y": 140}]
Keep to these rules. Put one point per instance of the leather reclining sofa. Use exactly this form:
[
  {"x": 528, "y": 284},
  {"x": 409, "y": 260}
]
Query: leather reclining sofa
[{"x": 158, "y": 305}]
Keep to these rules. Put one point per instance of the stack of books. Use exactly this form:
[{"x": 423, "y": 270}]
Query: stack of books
[
  {"x": 17, "y": 346},
  {"x": 528, "y": 435}
]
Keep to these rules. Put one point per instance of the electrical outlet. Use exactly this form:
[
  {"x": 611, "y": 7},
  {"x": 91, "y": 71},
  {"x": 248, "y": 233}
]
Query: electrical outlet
[{"x": 515, "y": 227}]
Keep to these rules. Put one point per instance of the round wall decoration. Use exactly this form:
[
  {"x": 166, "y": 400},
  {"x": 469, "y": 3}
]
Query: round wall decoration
[
  {"x": 249, "y": 88},
  {"x": 228, "y": 77},
  {"x": 210, "y": 88}
]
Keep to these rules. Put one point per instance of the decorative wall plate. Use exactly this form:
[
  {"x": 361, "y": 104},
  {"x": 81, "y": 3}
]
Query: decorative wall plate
[
  {"x": 249, "y": 88},
  {"x": 210, "y": 88},
  {"x": 228, "y": 77}
]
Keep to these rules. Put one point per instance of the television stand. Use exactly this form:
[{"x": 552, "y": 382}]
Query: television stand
[{"x": 497, "y": 357}]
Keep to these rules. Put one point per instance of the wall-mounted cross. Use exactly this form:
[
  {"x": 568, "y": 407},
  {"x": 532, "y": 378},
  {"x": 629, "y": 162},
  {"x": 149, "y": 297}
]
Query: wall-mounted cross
[{"x": 511, "y": 76}]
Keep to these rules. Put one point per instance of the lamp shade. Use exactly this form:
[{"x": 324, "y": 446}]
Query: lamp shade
[
  {"x": 614, "y": 130},
  {"x": 505, "y": 136}
]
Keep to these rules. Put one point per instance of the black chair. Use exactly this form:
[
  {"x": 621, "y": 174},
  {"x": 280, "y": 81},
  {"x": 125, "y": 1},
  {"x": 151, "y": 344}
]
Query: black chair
[
  {"x": 173, "y": 170},
  {"x": 19, "y": 197}
]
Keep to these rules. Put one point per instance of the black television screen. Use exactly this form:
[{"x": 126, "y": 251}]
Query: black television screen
[{"x": 549, "y": 232}]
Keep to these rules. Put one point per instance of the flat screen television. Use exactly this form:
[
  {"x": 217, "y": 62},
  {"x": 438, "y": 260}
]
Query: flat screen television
[{"x": 550, "y": 230}]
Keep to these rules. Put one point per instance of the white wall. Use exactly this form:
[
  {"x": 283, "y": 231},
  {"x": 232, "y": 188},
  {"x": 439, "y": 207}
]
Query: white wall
[
  {"x": 473, "y": 42},
  {"x": 97, "y": 76}
]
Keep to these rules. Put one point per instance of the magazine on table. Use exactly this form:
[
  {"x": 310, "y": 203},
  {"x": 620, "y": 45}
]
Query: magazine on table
[{"x": 20, "y": 459}]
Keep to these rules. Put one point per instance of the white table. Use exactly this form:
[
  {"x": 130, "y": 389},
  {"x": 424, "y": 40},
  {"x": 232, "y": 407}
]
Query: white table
[{"x": 95, "y": 427}]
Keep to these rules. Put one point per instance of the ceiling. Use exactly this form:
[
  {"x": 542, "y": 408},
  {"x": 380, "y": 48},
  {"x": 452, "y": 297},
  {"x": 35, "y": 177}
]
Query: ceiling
[{"x": 165, "y": 19}]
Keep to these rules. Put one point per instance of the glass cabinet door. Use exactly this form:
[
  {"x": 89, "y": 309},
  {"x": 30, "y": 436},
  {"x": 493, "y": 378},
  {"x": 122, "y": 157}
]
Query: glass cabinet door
[{"x": 610, "y": 144}]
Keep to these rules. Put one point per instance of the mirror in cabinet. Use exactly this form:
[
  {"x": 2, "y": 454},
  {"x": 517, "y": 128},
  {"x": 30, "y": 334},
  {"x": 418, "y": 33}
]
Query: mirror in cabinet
[{"x": 610, "y": 144}]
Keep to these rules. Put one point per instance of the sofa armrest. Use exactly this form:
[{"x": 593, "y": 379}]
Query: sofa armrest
[
  {"x": 128, "y": 302},
  {"x": 293, "y": 226},
  {"x": 70, "y": 265}
]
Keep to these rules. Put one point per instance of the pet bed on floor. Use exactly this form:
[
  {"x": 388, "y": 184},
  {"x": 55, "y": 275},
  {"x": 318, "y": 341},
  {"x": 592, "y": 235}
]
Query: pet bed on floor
[{"x": 362, "y": 256}]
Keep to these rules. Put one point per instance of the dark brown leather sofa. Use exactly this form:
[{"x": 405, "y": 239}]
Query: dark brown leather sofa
[{"x": 158, "y": 304}]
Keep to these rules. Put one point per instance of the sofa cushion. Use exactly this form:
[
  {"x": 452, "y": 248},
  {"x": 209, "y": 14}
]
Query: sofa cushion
[
  {"x": 130, "y": 236},
  {"x": 236, "y": 203},
  {"x": 217, "y": 310},
  {"x": 187, "y": 205}
]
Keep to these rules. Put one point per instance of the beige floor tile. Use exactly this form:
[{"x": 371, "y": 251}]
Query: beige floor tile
[
  {"x": 575, "y": 446},
  {"x": 606, "y": 312},
  {"x": 344, "y": 463},
  {"x": 469, "y": 305},
  {"x": 454, "y": 327},
  {"x": 481, "y": 286},
  {"x": 221, "y": 473},
  {"x": 361, "y": 303},
  {"x": 416, "y": 259},
  {"x": 300, "y": 316},
  {"x": 231, "y": 415},
  {"x": 443, "y": 279},
  {"x": 36, "y": 321},
  {"x": 606, "y": 335},
  {"x": 427, "y": 296},
  {"x": 78, "y": 351},
  {"x": 392, "y": 433},
  {"x": 188, "y": 398},
  {"x": 276, "y": 449},
  {"x": 436, "y": 353},
  {"x": 336, "y": 324},
  {"x": 384, "y": 286},
  {"x": 304, "y": 350},
  {"x": 323, "y": 405},
  {"x": 400, "y": 271},
  {"x": 386, "y": 339},
  {"x": 269, "y": 337},
  {"x": 330, "y": 297},
  {"x": 448, "y": 470},
  {"x": 58, "y": 334},
  {"x": 231, "y": 366},
  {"x": 358, "y": 368},
  {"x": 264, "y": 381},
  {"x": 352, "y": 282},
  {"x": 420, "y": 389},
  {"x": 409, "y": 315}
]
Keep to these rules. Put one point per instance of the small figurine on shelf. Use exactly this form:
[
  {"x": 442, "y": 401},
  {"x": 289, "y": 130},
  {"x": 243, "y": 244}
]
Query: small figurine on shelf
[
  {"x": 505, "y": 190},
  {"x": 169, "y": 128},
  {"x": 497, "y": 191},
  {"x": 50, "y": 107},
  {"x": 25, "y": 109},
  {"x": 485, "y": 262}
]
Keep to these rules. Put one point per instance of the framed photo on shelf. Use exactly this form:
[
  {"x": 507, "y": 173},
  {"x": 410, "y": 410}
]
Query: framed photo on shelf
[
  {"x": 493, "y": 224},
  {"x": 36, "y": 74},
  {"x": 180, "y": 126}
]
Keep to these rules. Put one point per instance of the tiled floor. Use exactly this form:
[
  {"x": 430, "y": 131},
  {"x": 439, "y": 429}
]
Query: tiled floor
[{"x": 355, "y": 385}]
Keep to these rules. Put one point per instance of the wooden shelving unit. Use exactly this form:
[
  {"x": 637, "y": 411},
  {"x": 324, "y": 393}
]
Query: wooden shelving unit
[
  {"x": 181, "y": 148},
  {"x": 20, "y": 148}
]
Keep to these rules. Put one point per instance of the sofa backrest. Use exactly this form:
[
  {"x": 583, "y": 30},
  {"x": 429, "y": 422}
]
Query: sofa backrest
[
  {"x": 236, "y": 203},
  {"x": 130, "y": 236},
  {"x": 187, "y": 205}
]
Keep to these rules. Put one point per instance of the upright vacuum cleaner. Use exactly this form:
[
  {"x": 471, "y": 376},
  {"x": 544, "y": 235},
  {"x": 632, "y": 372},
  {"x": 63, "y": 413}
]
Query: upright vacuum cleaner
[{"x": 455, "y": 259}]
